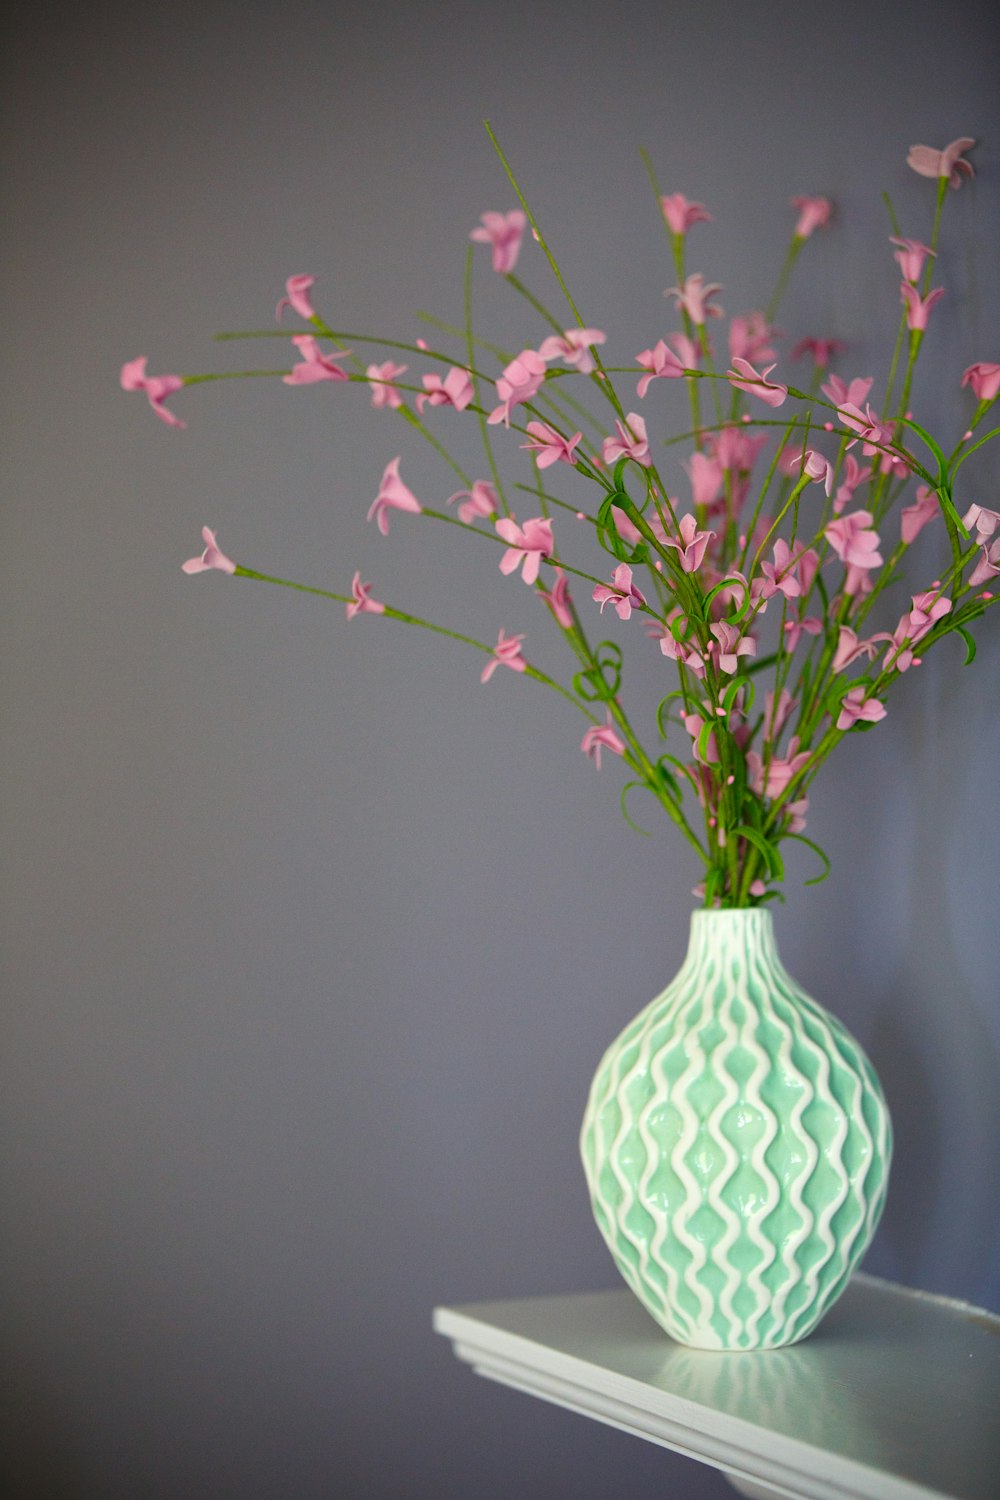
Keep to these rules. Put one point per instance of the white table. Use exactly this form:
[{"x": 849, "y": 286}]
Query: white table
[{"x": 896, "y": 1396}]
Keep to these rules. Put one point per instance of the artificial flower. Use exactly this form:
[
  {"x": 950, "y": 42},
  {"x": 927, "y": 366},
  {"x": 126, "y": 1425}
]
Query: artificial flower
[
  {"x": 631, "y": 442},
  {"x": 918, "y": 308},
  {"x": 212, "y": 557},
  {"x": 520, "y": 381},
  {"x": 559, "y": 602},
  {"x": 681, "y": 215},
  {"x": 527, "y": 545},
  {"x": 731, "y": 645},
  {"x": 913, "y": 518},
  {"x": 601, "y": 737},
  {"x": 821, "y": 350},
  {"x": 157, "y": 388},
  {"x": 363, "y": 603},
  {"x": 314, "y": 365},
  {"x": 456, "y": 389},
  {"x": 696, "y": 298},
  {"x": 856, "y": 708},
  {"x": 623, "y": 594},
  {"x": 392, "y": 495},
  {"x": 549, "y": 446},
  {"x": 743, "y": 377},
  {"x": 984, "y": 380},
  {"x": 855, "y": 542},
  {"x": 660, "y": 363},
  {"x": 948, "y": 163},
  {"x": 481, "y": 500},
  {"x": 814, "y": 213},
  {"x": 690, "y": 546},
  {"x": 504, "y": 232},
  {"x": 985, "y": 521},
  {"x": 910, "y": 257},
  {"x": 384, "y": 393},
  {"x": 573, "y": 347},
  {"x": 297, "y": 297},
  {"x": 506, "y": 653}
]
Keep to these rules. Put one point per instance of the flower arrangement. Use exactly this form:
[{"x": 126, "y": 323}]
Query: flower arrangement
[{"x": 767, "y": 583}]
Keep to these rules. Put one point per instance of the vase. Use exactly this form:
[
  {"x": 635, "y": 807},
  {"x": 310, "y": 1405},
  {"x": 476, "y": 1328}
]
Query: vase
[{"x": 736, "y": 1146}]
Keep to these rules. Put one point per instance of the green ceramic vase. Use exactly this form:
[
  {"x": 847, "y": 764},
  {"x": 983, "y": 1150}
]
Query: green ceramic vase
[{"x": 736, "y": 1146}]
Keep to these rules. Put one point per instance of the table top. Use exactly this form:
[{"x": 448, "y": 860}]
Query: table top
[{"x": 896, "y": 1396}]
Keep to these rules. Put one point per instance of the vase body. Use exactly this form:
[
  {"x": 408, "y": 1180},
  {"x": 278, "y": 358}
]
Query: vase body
[{"x": 736, "y": 1146}]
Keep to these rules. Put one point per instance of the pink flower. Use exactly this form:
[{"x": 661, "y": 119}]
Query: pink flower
[
  {"x": 850, "y": 648},
  {"x": 988, "y": 565},
  {"x": 918, "y": 308},
  {"x": 795, "y": 628},
  {"x": 384, "y": 394},
  {"x": 814, "y": 213},
  {"x": 518, "y": 383},
  {"x": 749, "y": 337},
  {"x": 776, "y": 715},
  {"x": 910, "y": 257},
  {"x": 985, "y": 521},
  {"x": 528, "y": 545},
  {"x": 456, "y": 389},
  {"x": 695, "y": 298},
  {"x": 706, "y": 479},
  {"x": 796, "y": 815},
  {"x": 731, "y": 646},
  {"x": 363, "y": 603},
  {"x": 780, "y": 770},
  {"x": 601, "y": 737},
  {"x": 856, "y": 707},
  {"x": 913, "y": 518},
  {"x": 297, "y": 297},
  {"x": 573, "y": 347},
  {"x": 660, "y": 363},
  {"x": 481, "y": 500},
  {"x": 210, "y": 558},
  {"x": 559, "y": 601},
  {"x": 855, "y": 542},
  {"x": 928, "y": 608},
  {"x": 692, "y": 544},
  {"x": 631, "y": 442},
  {"x": 506, "y": 653},
  {"x": 984, "y": 380},
  {"x": 793, "y": 461},
  {"x": 780, "y": 575},
  {"x": 550, "y": 446},
  {"x": 315, "y": 364},
  {"x": 157, "y": 387},
  {"x": 504, "y": 232},
  {"x": 686, "y": 349},
  {"x": 694, "y": 724},
  {"x": 947, "y": 163},
  {"x": 820, "y": 349},
  {"x": 864, "y": 424},
  {"x": 744, "y": 377},
  {"x": 624, "y": 595},
  {"x": 843, "y": 394},
  {"x": 392, "y": 495},
  {"x": 680, "y": 214},
  {"x": 736, "y": 449},
  {"x": 675, "y": 646},
  {"x": 852, "y": 477}
]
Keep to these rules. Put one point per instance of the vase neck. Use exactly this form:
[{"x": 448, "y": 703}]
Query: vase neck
[{"x": 735, "y": 934}]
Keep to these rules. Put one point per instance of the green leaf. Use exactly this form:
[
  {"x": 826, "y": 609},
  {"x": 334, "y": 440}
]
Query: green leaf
[
  {"x": 970, "y": 645},
  {"x": 625, "y": 813},
  {"x": 767, "y": 848},
  {"x": 817, "y": 879}
]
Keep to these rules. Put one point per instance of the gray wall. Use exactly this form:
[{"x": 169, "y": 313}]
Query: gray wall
[{"x": 312, "y": 944}]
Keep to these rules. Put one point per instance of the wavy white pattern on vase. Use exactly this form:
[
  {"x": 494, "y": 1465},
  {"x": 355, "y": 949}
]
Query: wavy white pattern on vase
[
  {"x": 731, "y": 1220},
  {"x": 758, "y": 1155}
]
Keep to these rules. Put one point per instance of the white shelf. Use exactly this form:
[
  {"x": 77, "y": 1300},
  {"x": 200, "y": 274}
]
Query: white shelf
[{"x": 896, "y": 1396}]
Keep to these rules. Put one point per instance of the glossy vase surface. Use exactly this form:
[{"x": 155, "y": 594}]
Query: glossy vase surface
[{"x": 736, "y": 1146}]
